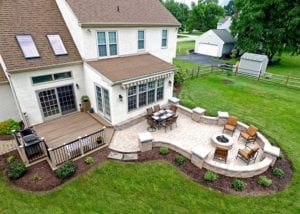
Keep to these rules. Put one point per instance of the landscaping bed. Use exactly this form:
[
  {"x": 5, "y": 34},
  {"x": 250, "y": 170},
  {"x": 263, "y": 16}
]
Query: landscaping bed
[{"x": 223, "y": 183}]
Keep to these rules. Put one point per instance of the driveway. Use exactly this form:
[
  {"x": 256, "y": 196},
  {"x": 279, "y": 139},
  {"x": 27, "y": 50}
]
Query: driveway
[{"x": 199, "y": 59}]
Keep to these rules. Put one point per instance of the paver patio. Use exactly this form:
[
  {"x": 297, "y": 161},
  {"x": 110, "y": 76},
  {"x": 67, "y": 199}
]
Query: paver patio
[{"x": 186, "y": 135}]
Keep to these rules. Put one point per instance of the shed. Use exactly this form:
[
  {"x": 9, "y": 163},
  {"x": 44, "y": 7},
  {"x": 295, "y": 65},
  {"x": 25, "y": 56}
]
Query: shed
[
  {"x": 253, "y": 64},
  {"x": 217, "y": 43}
]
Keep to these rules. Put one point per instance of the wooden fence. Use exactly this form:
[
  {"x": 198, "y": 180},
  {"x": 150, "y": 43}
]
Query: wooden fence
[
  {"x": 76, "y": 148},
  {"x": 285, "y": 80}
]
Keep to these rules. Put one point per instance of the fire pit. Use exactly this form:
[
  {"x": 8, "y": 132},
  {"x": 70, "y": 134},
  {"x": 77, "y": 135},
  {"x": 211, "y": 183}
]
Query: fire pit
[{"x": 222, "y": 141}]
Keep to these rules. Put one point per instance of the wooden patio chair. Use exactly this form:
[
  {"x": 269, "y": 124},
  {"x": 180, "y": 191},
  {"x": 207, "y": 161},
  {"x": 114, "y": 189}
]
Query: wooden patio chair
[
  {"x": 167, "y": 123},
  {"x": 221, "y": 154},
  {"x": 149, "y": 112},
  {"x": 248, "y": 154},
  {"x": 249, "y": 134},
  {"x": 231, "y": 125},
  {"x": 174, "y": 120},
  {"x": 156, "y": 108},
  {"x": 152, "y": 125},
  {"x": 173, "y": 108}
]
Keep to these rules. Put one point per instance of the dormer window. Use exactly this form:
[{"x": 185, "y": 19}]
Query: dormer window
[
  {"x": 57, "y": 44},
  {"x": 28, "y": 46}
]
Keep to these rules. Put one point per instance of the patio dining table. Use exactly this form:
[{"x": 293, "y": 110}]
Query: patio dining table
[{"x": 162, "y": 115}]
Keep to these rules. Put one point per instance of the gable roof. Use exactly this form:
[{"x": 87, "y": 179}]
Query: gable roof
[
  {"x": 38, "y": 18},
  {"x": 2, "y": 75},
  {"x": 130, "y": 67},
  {"x": 122, "y": 12},
  {"x": 224, "y": 35},
  {"x": 255, "y": 57}
]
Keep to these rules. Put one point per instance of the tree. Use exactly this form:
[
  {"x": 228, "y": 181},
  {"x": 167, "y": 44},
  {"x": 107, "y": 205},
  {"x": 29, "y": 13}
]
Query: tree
[
  {"x": 229, "y": 8},
  {"x": 269, "y": 26},
  {"x": 204, "y": 17},
  {"x": 179, "y": 10}
]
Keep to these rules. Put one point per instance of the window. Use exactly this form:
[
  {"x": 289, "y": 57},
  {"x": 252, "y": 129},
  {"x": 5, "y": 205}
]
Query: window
[
  {"x": 144, "y": 94},
  {"x": 141, "y": 39},
  {"x": 110, "y": 49},
  {"x": 164, "y": 40},
  {"x": 51, "y": 77},
  {"x": 27, "y": 45},
  {"x": 57, "y": 45}
]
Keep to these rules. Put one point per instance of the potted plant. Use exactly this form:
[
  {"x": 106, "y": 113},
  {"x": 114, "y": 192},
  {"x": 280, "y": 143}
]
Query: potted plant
[
  {"x": 91, "y": 110},
  {"x": 99, "y": 140},
  {"x": 85, "y": 103}
]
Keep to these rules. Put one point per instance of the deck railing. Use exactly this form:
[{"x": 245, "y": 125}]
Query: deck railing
[{"x": 76, "y": 148}]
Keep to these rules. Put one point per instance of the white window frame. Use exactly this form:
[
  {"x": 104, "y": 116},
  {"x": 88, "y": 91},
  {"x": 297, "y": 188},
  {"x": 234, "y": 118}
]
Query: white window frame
[
  {"x": 61, "y": 43},
  {"x": 106, "y": 32},
  {"x": 33, "y": 43},
  {"x": 141, "y": 50},
  {"x": 167, "y": 39},
  {"x": 53, "y": 79}
]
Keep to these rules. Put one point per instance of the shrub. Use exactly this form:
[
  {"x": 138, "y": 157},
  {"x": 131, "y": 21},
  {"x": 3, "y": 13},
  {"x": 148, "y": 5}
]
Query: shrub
[
  {"x": 179, "y": 160},
  {"x": 10, "y": 159},
  {"x": 279, "y": 173},
  {"x": 35, "y": 178},
  {"x": 16, "y": 169},
  {"x": 180, "y": 76},
  {"x": 210, "y": 176},
  {"x": 238, "y": 185},
  {"x": 163, "y": 150},
  {"x": 7, "y": 126},
  {"x": 66, "y": 170},
  {"x": 84, "y": 98},
  {"x": 89, "y": 160},
  {"x": 264, "y": 181}
]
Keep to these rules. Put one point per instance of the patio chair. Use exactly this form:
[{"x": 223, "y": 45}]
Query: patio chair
[
  {"x": 174, "y": 120},
  {"x": 221, "y": 154},
  {"x": 156, "y": 108},
  {"x": 149, "y": 112},
  {"x": 152, "y": 125},
  {"x": 173, "y": 108},
  {"x": 248, "y": 154},
  {"x": 249, "y": 134},
  {"x": 230, "y": 125},
  {"x": 167, "y": 123}
]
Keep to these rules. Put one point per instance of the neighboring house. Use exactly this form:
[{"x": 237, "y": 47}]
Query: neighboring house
[
  {"x": 253, "y": 64},
  {"x": 215, "y": 43},
  {"x": 116, "y": 52},
  {"x": 225, "y": 23}
]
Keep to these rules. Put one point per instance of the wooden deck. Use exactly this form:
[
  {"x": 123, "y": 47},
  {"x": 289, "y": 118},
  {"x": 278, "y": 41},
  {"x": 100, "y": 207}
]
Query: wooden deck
[{"x": 68, "y": 128}]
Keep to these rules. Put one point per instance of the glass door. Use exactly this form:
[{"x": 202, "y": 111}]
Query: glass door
[
  {"x": 49, "y": 103},
  {"x": 103, "y": 104},
  {"x": 66, "y": 99}
]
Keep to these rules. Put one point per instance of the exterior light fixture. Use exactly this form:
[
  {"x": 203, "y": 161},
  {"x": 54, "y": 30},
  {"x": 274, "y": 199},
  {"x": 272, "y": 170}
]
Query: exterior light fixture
[
  {"x": 77, "y": 86},
  {"x": 120, "y": 97},
  {"x": 170, "y": 83}
]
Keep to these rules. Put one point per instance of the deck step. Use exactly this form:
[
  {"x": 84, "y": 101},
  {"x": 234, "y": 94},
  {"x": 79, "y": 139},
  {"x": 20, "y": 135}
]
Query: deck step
[{"x": 122, "y": 156}]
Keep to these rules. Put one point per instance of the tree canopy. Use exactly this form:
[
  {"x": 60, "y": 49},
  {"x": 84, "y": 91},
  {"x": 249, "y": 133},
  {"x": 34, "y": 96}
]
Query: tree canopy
[
  {"x": 269, "y": 26},
  {"x": 204, "y": 17}
]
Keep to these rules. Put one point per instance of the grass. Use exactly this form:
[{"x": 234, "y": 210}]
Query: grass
[
  {"x": 183, "y": 47},
  {"x": 181, "y": 36},
  {"x": 289, "y": 65},
  {"x": 195, "y": 33}
]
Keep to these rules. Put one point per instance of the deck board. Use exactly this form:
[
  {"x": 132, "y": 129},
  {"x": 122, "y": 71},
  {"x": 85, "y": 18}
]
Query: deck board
[{"x": 68, "y": 128}]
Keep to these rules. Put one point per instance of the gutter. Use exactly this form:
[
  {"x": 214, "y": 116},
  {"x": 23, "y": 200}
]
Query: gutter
[{"x": 124, "y": 24}]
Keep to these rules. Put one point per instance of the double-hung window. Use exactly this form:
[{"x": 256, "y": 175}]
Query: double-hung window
[
  {"x": 28, "y": 46},
  {"x": 160, "y": 90},
  {"x": 107, "y": 43},
  {"x": 141, "y": 40},
  {"x": 132, "y": 98},
  {"x": 164, "y": 39}
]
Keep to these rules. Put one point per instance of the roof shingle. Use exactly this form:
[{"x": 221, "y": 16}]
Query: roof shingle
[
  {"x": 224, "y": 35},
  {"x": 130, "y": 67},
  {"x": 38, "y": 18},
  {"x": 2, "y": 75},
  {"x": 122, "y": 12}
]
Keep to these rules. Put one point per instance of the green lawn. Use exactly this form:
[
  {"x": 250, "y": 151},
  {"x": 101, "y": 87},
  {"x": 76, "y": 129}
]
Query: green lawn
[
  {"x": 289, "y": 65},
  {"x": 183, "y": 47},
  {"x": 195, "y": 33}
]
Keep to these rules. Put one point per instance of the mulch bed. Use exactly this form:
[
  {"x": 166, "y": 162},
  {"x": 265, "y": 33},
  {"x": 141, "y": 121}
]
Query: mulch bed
[
  {"x": 6, "y": 137},
  {"x": 49, "y": 180}
]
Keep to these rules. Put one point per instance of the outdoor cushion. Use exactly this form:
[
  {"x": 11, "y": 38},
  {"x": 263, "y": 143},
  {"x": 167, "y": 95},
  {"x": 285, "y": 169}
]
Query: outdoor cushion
[
  {"x": 229, "y": 127},
  {"x": 251, "y": 131},
  {"x": 232, "y": 121}
]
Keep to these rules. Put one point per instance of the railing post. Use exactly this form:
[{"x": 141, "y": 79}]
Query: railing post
[
  {"x": 81, "y": 145},
  {"x": 52, "y": 158},
  {"x": 259, "y": 75},
  {"x": 104, "y": 128},
  {"x": 23, "y": 155},
  {"x": 287, "y": 80}
]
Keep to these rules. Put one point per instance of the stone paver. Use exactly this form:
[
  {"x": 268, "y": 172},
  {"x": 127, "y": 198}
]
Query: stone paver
[
  {"x": 132, "y": 156},
  {"x": 115, "y": 155},
  {"x": 187, "y": 135},
  {"x": 7, "y": 146}
]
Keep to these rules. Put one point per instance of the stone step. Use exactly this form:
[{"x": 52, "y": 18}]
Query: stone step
[
  {"x": 115, "y": 156},
  {"x": 122, "y": 156}
]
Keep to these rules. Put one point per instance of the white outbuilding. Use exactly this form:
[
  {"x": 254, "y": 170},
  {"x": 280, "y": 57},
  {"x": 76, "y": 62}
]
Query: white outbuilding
[
  {"x": 253, "y": 64},
  {"x": 217, "y": 43}
]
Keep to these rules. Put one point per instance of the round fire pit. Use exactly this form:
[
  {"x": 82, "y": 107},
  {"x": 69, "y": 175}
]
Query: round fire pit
[{"x": 222, "y": 141}]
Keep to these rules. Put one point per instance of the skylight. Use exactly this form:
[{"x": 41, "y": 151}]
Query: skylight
[
  {"x": 27, "y": 45},
  {"x": 57, "y": 44}
]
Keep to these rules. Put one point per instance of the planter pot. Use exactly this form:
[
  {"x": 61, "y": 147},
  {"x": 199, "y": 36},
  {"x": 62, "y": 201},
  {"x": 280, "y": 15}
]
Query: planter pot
[{"x": 86, "y": 105}]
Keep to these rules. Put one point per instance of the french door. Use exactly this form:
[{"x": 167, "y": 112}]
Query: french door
[
  {"x": 103, "y": 103},
  {"x": 58, "y": 101}
]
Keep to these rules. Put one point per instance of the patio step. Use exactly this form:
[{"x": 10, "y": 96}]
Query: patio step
[{"x": 122, "y": 156}]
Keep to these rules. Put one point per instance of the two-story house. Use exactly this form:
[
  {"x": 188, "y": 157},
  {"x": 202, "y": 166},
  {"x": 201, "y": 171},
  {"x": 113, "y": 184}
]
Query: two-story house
[{"x": 119, "y": 53}]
